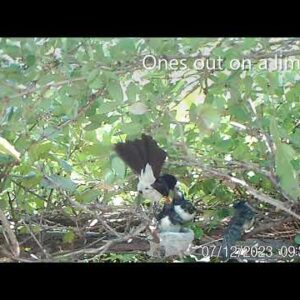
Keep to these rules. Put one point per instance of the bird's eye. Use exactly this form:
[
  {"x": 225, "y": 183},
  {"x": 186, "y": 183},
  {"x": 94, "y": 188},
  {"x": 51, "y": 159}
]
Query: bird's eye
[{"x": 146, "y": 188}]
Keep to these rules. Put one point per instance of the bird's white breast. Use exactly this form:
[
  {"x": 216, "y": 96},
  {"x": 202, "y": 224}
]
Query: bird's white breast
[{"x": 183, "y": 215}]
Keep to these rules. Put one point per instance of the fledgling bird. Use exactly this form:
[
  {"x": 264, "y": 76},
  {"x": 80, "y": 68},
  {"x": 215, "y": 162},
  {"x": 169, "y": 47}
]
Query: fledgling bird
[
  {"x": 146, "y": 159},
  {"x": 243, "y": 219},
  {"x": 176, "y": 214},
  {"x": 184, "y": 208},
  {"x": 168, "y": 220}
]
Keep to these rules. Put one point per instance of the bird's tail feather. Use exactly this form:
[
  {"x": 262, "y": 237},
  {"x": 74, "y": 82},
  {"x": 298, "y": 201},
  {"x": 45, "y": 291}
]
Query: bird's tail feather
[{"x": 137, "y": 153}]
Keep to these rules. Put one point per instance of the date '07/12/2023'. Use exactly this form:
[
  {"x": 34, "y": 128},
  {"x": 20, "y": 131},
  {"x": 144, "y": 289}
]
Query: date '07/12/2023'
[{"x": 250, "y": 252}]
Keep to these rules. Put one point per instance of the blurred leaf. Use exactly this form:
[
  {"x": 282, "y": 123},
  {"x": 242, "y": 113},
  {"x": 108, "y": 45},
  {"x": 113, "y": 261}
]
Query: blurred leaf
[
  {"x": 31, "y": 179},
  {"x": 115, "y": 90},
  {"x": 198, "y": 232},
  {"x": 65, "y": 165},
  {"x": 40, "y": 150},
  {"x": 88, "y": 196},
  {"x": 109, "y": 177},
  {"x": 59, "y": 182},
  {"x": 132, "y": 91},
  {"x": 284, "y": 154},
  {"x": 297, "y": 239},
  {"x": 7, "y": 148},
  {"x": 138, "y": 108},
  {"x": 69, "y": 237},
  {"x": 207, "y": 117},
  {"x": 118, "y": 166},
  {"x": 131, "y": 128},
  {"x": 30, "y": 60}
]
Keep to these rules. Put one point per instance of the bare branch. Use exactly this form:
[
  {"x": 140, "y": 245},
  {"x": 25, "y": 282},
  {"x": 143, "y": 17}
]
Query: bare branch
[{"x": 12, "y": 239}]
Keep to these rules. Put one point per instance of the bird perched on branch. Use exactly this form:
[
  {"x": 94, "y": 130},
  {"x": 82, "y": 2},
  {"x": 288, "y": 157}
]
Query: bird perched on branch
[
  {"x": 242, "y": 220},
  {"x": 146, "y": 159}
]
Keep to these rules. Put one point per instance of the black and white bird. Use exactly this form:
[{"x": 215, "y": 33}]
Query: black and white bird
[
  {"x": 146, "y": 159},
  {"x": 184, "y": 208},
  {"x": 175, "y": 214}
]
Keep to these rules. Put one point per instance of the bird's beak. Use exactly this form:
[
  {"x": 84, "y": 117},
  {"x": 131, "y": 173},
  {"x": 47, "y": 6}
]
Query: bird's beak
[{"x": 167, "y": 199}]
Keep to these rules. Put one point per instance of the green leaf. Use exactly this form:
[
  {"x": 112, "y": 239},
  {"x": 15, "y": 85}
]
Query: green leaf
[
  {"x": 138, "y": 108},
  {"x": 98, "y": 149},
  {"x": 285, "y": 170},
  {"x": 109, "y": 177},
  {"x": 59, "y": 182},
  {"x": 5, "y": 159},
  {"x": 87, "y": 196},
  {"x": 296, "y": 164},
  {"x": 284, "y": 154},
  {"x": 31, "y": 179},
  {"x": 40, "y": 150},
  {"x": 198, "y": 232},
  {"x": 208, "y": 117},
  {"x": 7, "y": 148},
  {"x": 65, "y": 165},
  {"x": 297, "y": 239},
  {"x": 131, "y": 128},
  {"x": 8, "y": 114},
  {"x": 115, "y": 90},
  {"x": 132, "y": 91},
  {"x": 30, "y": 60},
  {"x": 106, "y": 107},
  {"x": 69, "y": 237},
  {"x": 118, "y": 166},
  {"x": 239, "y": 112},
  {"x": 97, "y": 83}
]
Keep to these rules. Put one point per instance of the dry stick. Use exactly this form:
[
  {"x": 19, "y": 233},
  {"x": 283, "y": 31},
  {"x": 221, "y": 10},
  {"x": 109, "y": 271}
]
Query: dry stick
[
  {"x": 259, "y": 195},
  {"x": 28, "y": 190},
  {"x": 104, "y": 248},
  {"x": 48, "y": 85},
  {"x": 270, "y": 152},
  {"x": 11, "y": 206},
  {"x": 13, "y": 242},
  {"x": 140, "y": 228},
  {"x": 84, "y": 208},
  {"x": 36, "y": 240}
]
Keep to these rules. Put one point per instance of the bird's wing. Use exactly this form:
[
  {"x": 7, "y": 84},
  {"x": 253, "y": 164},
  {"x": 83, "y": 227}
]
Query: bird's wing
[
  {"x": 155, "y": 155},
  {"x": 176, "y": 219},
  {"x": 140, "y": 152},
  {"x": 133, "y": 154}
]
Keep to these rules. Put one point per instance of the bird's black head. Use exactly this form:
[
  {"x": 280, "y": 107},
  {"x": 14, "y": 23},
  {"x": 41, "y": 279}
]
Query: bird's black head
[
  {"x": 244, "y": 210},
  {"x": 243, "y": 207},
  {"x": 169, "y": 180},
  {"x": 164, "y": 184}
]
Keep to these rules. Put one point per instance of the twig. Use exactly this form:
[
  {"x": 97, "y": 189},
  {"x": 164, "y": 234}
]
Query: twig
[
  {"x": 11, "y": 206},
  {"x": 12, "y": 240},
  {"x": 84, "y": 208},
  {"x": 28, "y": 190},
  {"x": 259, "y": 195},
  {"x": 36, "y": 240},
  {"x": 47, "y": 86}
]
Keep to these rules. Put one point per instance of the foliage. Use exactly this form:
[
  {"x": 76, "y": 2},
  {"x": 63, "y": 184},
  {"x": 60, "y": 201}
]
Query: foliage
[{"x": 66, "y": 101}]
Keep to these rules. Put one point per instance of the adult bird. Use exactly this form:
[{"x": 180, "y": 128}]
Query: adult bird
[{"x": 146, "y": 159}]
